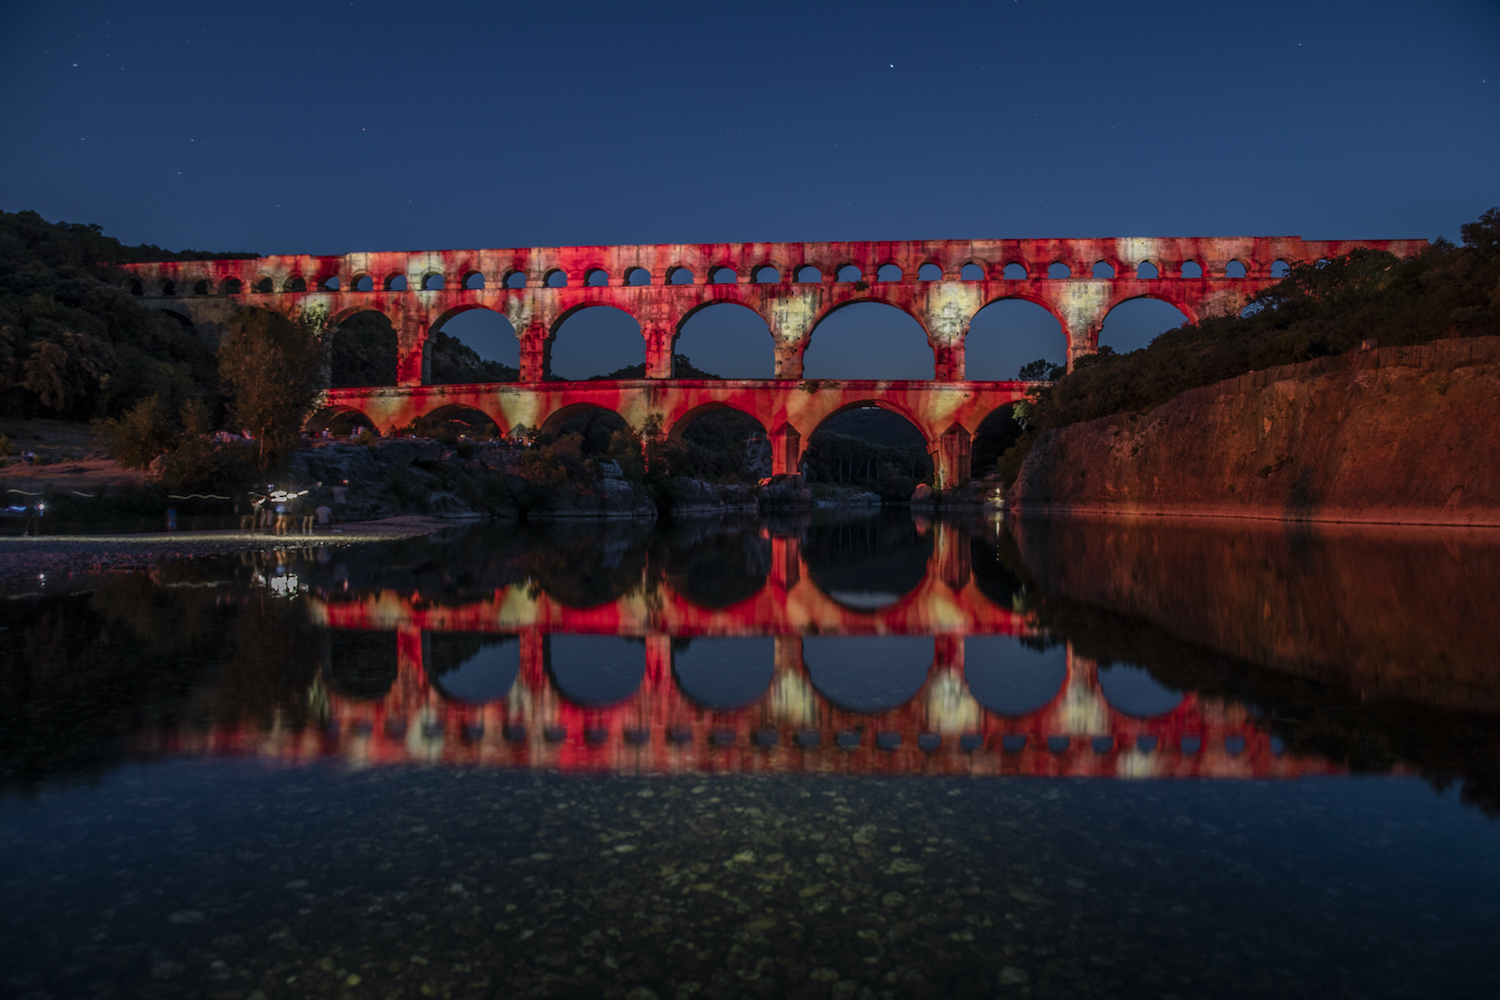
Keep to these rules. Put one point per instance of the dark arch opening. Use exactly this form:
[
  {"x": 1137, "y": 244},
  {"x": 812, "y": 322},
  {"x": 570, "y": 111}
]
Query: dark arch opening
[
  {"x": 714, "y": 569},
  {"x": 515, "y": 279},
  {"x": 1134, "y": 323},
  {"x": 889, "y": 272},
  {"x": 995, "y": 435},
  {"x": 1147, "y": 270},
  {"x": 555, "y": 279},
  {"x": 338, "y": 421},
  {"x": 1008, "y": 334},
  {"x": 767, "y": 275},
  {"x": 725, "y": 276},
  {"x": 1280, "y": 269},
  {"x": 396, "y": 283},
  {"x": 433, "y": 283},
  {"x": 637, "y": 276},
  {"x": 169, "y": 289},
  {"x": 868, "y": 340},
  {"x": 1103, "y": 269},
  {"x": 929, "y": 272},
  {"x": 1057, "y": 270},
  {"x": 449, "y": 424},
  {"x": 598, "y": 342},
  {"x": 263, "y": 286},
  {"x": 722, "y": 445},
  {"x": 201, "y": 288},
  {"x": 297, "y": 284},
  {"x": 469, "y": 667},
  {"x": 867, "y": 563},
  {"x": 725, "y": 675},
  {"x": 679, "y": 276},
  {"x": 807, "y": 274},
  {"x": 1192, "y": 269},
  {"x": 596, "y": 278},
  {"x": 330, "y": 283},
  {"x": 595, "y": 671},
  {"x": 584, "y": 430},
  {"x": 849, "y": 272},
  {"x": 1235, "y": 269},
  {"x": 474, "y": 280},
  {"x": 475, "y": 345},
  {"x": 1015, "y": 272},
  {"x": 134, "y": 287},
  {"x": 363, "y": 351},
  {"x": 971, "y": 272},
  {"x": 233, "y": 286},
  {"x": 364, "y": 283},
  {"x": 1011, "y": 676},
  {"x": 868, "y": 447},
  {"x": 729, "y": 339},
  {"x": 361, "y": 665},
  {"x": 1133, "y": 691},
  {"x": 868, "y": 673}
]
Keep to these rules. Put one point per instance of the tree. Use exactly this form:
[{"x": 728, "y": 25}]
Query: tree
[
  {"x": 142, "y": 433},
  {"x": 269, "y": 365},
  {"x": 1040, "y": 370}
]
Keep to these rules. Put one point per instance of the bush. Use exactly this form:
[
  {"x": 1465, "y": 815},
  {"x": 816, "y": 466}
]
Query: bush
[{"x": 144, "y": 432}]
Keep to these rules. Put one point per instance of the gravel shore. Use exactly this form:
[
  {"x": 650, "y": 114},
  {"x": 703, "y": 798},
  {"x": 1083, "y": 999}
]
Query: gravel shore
[{"x": 63, "y": 556}]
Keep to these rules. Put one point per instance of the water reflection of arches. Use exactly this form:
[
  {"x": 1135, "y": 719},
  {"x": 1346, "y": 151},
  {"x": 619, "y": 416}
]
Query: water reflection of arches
[
  {"x": 725, "y": 674},
  {"x": 471, "y": 668}
]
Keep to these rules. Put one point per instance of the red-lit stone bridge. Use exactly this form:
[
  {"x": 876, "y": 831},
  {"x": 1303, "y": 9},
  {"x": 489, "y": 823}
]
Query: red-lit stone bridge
[{"x": 942, "y": 284}]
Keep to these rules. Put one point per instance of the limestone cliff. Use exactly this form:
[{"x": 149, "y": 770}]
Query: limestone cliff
[{"x": 1394, "y": 435}]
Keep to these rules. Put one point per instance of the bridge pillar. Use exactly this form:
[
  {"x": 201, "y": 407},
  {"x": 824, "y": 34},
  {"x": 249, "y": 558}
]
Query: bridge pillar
[
  {"x": 953, "y": 454},
  {"x": 950, "y": 560},
  {"x": 786, "y": 562},
  {"x": 786, "y": 450},
  {"x": 789, "y": 358},
  {"x": 412, "y": 364},
  {"x": 948, "y": 361},
  {"x": 658, "y": 352},
  {"x": 536, "y": 353}
]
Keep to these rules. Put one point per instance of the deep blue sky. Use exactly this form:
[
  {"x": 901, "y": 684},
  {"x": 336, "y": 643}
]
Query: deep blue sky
[{"x": 330, "y": 127}]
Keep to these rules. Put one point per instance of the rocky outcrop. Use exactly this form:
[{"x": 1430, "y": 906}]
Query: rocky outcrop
[
  {"x": 694, "y": 496},
  {"x": 1394, "y": 435},
  {"x": 785, "y": 493}
]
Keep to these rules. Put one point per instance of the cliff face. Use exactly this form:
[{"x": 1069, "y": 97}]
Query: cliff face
[{"x": 1404, "y": 435}]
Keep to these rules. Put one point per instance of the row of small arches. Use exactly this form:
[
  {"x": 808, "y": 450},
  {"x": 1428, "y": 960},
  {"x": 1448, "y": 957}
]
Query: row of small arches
[{"x": 639, "y": 276}]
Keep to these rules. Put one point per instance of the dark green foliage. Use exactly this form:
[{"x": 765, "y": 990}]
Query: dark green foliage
[
  {"x": 713, "y": 445},
  {"x": 363, "y": 352},
  {"x": 996, "y": 435},
  {"x": 269, "y": 368},
  {"x": 145, "y": 431},
  {"x": 72, "y": 343},
  {"x": 1040, "y": 370},
  {"x": 452, "y": 362},
  {"x": 870, "y": 448},
  {"x": 682, "y": 367},
  {"x": 1320, "y": 309}
]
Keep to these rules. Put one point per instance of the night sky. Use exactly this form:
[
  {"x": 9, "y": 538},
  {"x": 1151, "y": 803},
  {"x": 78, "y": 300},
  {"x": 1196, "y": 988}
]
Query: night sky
[{"x": 331, "y": 127}]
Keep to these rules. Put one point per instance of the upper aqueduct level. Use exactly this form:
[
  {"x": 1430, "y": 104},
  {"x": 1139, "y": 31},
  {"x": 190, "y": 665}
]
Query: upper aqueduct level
[{"x": 793, "y": 286}]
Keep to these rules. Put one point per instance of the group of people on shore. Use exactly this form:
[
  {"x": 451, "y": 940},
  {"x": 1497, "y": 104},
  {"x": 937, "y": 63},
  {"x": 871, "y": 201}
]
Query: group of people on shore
[{"x": 285, "y": 513}]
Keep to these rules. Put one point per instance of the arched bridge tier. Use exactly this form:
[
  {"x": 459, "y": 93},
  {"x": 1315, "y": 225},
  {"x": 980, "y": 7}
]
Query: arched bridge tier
[
  {"x": 793, "y": 286},
  {"x": 948, "y": 414}
]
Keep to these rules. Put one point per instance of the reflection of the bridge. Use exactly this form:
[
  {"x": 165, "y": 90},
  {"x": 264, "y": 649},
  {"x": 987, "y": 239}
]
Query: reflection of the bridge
[{"x": 793, "y": 724}]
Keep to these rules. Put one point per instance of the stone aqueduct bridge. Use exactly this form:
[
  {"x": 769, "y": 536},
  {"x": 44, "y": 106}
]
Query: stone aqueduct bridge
[
  {"x": 941, "y": 729},
  {"x": 942, "y": 284}
]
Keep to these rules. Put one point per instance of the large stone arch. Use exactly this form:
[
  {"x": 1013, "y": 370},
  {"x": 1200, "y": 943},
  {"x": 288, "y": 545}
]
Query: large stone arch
[
  {"x": 679, "y": 421},
  {"x": 1189, "y": 314},
  {"x": 575, "y": 309},
  {"x": 338, "y": 418},
  {"x": 554, "y": 420},
  {"x": 900, "y": 303},
  {"x": 335, "y": 324}
]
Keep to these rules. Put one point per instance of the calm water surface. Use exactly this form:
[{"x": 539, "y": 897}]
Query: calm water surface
[{"x": 861, "y": 757}]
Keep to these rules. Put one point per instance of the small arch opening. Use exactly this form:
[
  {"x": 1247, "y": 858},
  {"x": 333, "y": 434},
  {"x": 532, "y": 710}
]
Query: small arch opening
[
  {"x": 1103, "y": 269},
  {"x": 807, "y": 274},
  {"x": 515, "y": 279},
  {"x": 767, "y": 275},
  {"x": 849, "y": 272},
  {"x": 1058, "y": 270},
  {"x": 889, "y": 272},
  {"x": 1147, "y": 270},
  {"x": 972, "y": 272},
  {"x": 556, "y": 279},
  {"x": 929, "y": 272},
  {"x": 201, "y": 288},
  {"x": 637, "y": 276},
  {"x": 364, "y": 283},
  {"x": 263, "y": 286},
  {"x": 396, "y": 283},
  {"x": 169, "y": 289},
  {"x": 598, "y": 342},
  {"x": 1235, "y": 269},
  {"x": 728, "y": 339},
  {"x": 295, "y": 284},
  {"x": 233, "y": 286},
  {"x": 330, "y": 283},
  {"x": 433, "y": 283},
  {"x": 597, "y": 277},
  {"x": 1015, "y": 272},
  {"x": 679, "y": 276},
  {"x": 725, "y": 276},
  {"x": 473, "y": 280},
  {"x": 1192, "y": 269},
  {"x": 1280, "y": 269}
]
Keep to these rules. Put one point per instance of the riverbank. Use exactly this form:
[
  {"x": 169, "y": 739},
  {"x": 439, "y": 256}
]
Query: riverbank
[
  {"x": 1405, "y": 435},
  {"x": 29, "y": 558}
]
